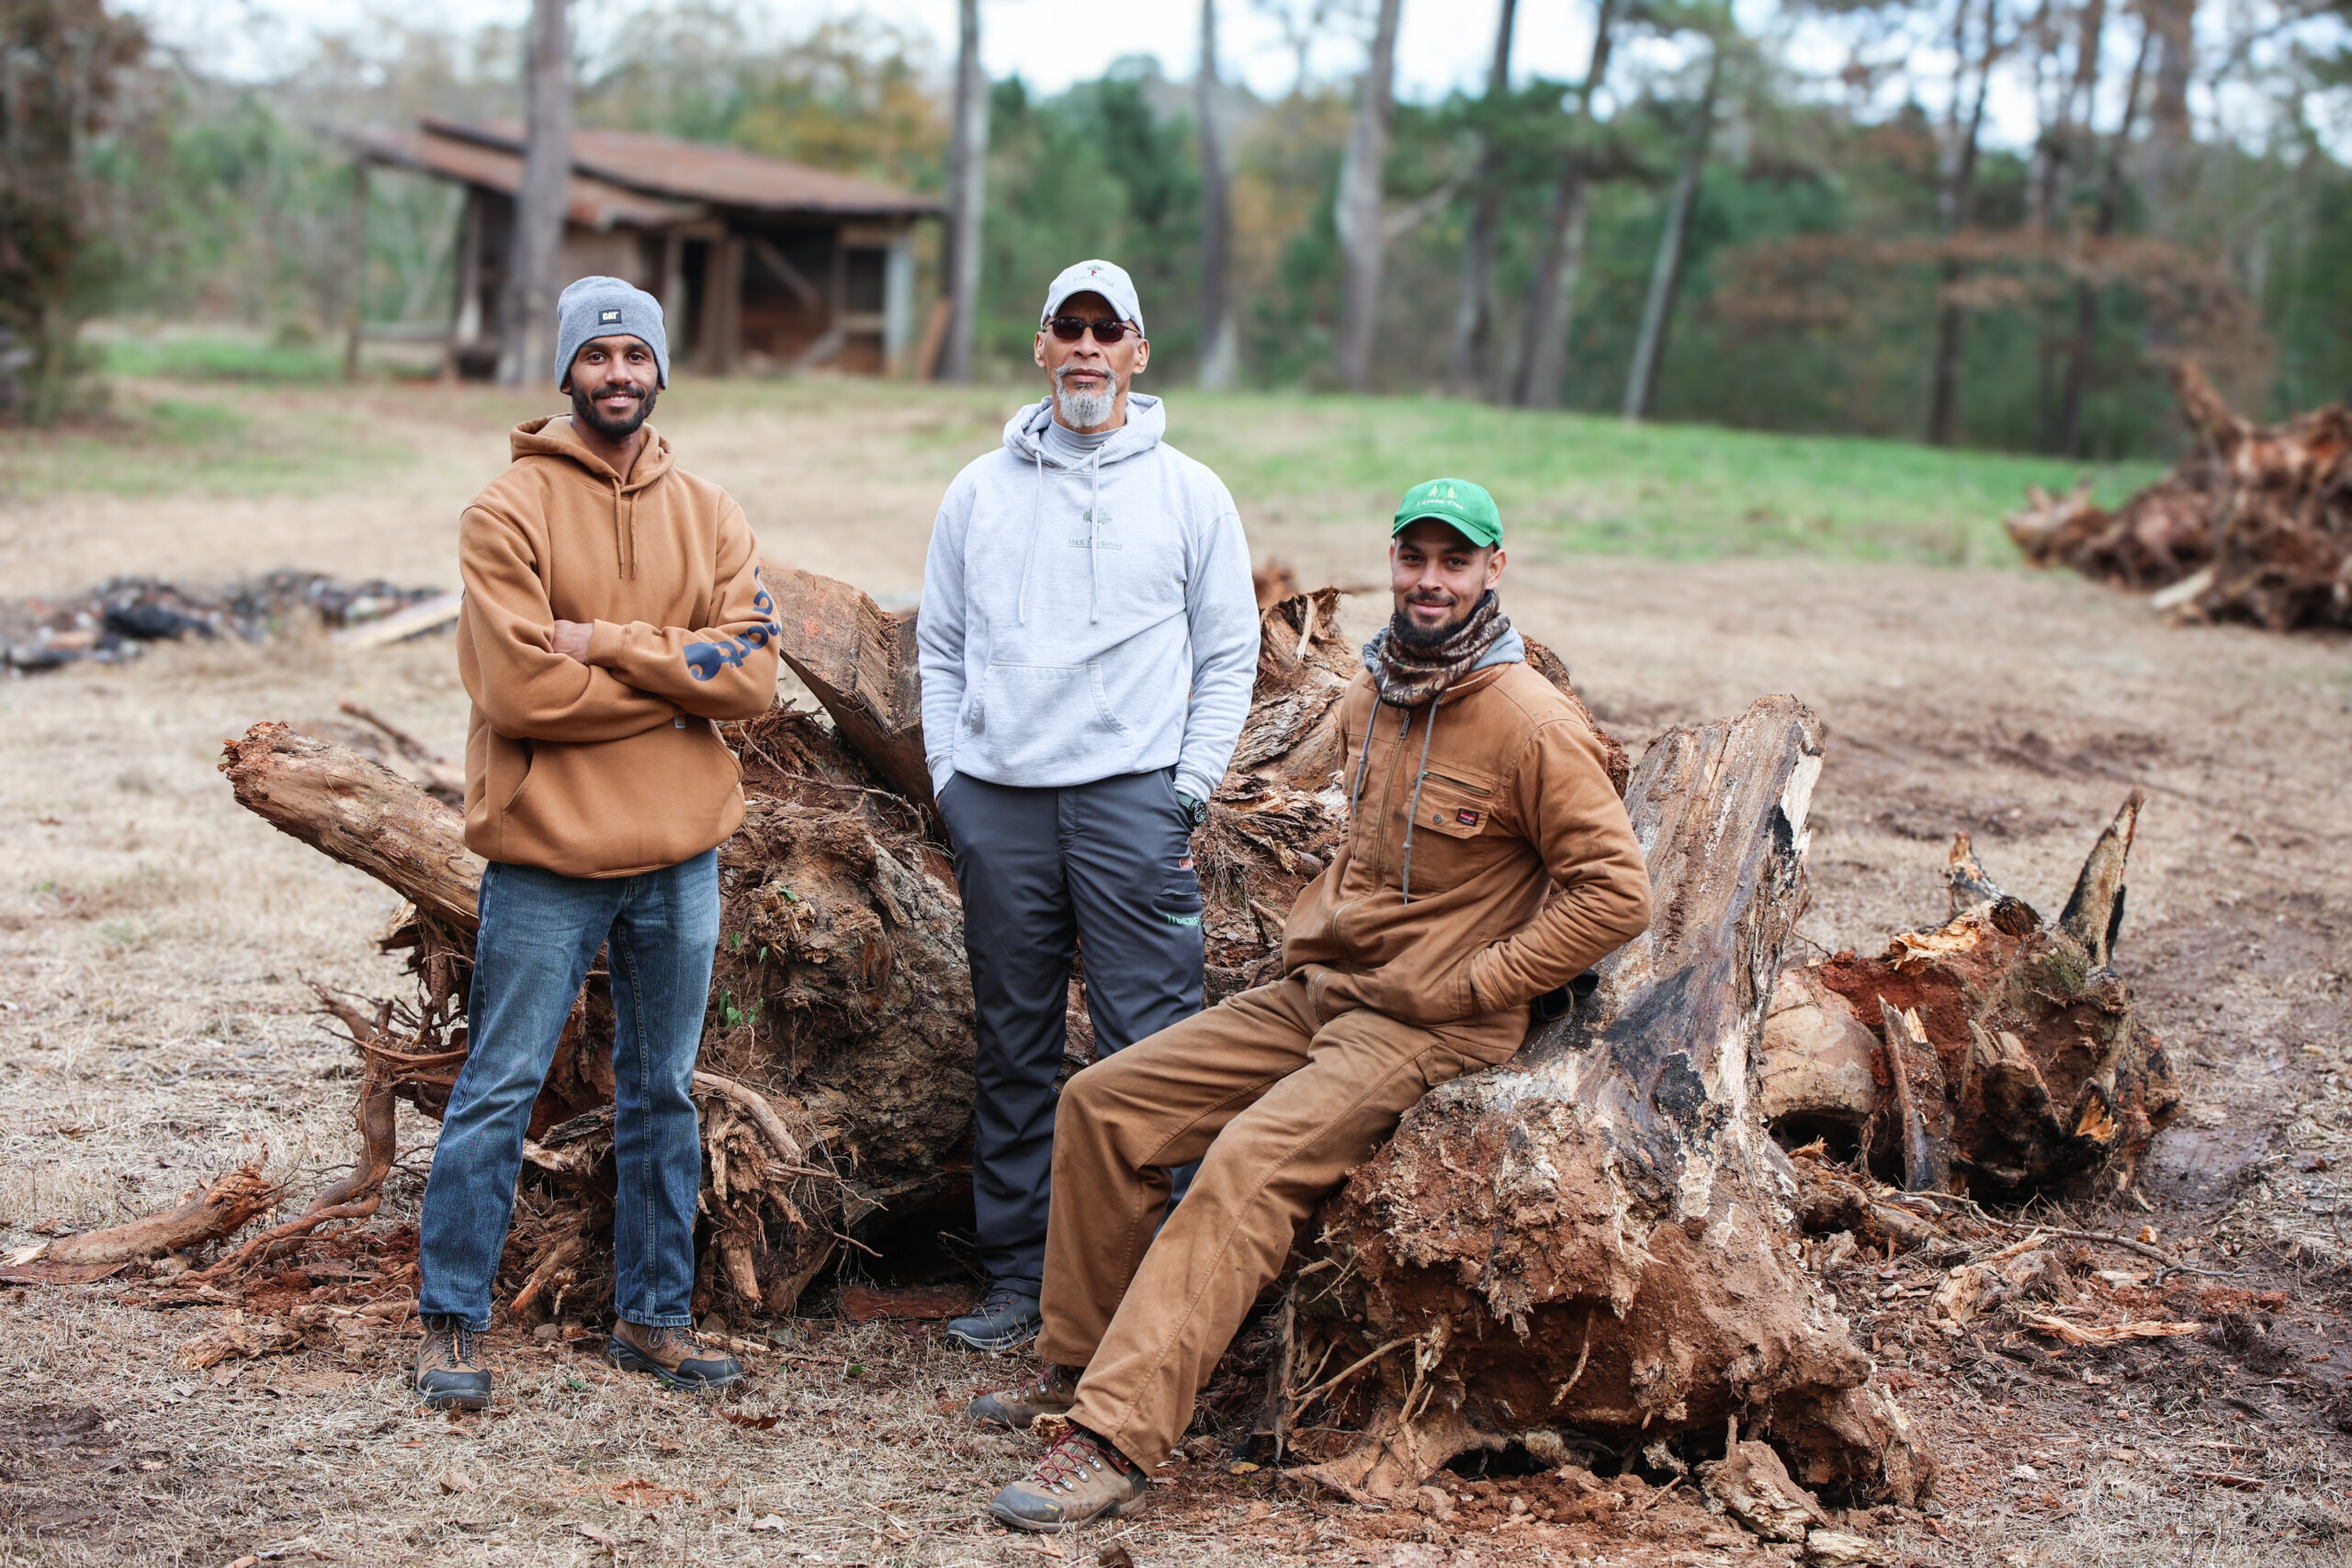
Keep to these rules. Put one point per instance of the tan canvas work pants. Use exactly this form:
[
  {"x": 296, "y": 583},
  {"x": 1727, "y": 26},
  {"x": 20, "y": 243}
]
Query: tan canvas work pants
[{"x": 1279, "y": 1093}]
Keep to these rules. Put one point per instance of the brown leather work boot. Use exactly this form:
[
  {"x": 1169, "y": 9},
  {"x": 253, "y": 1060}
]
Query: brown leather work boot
[
  {"x": 679, "y": 1357},
  {"x": 1051, "y": 1392},
  {"x": 448, "y": 1373},
  {"x": 1082, "y": 1478}
]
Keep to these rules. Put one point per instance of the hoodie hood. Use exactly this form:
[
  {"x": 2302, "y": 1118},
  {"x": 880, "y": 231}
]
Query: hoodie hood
[
  {"x": 1024, "y": 432},
  {"x": 1024, "y": 437},
  {"x": 554, "y": 436}
]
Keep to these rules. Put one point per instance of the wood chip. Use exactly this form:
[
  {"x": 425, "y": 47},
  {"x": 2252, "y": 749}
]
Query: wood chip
[{"x": 2104, "y": 1332}]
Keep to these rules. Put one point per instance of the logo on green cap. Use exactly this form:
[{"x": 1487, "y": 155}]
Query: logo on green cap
[{"x": 1461, "y": 506}]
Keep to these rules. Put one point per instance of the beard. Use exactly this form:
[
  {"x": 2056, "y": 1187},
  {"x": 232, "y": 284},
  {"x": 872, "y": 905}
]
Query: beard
[
  {"x": 1081, "y": 408},
  {"x": 584, "y": 410},
  {"x": 1411, "y": 633}
]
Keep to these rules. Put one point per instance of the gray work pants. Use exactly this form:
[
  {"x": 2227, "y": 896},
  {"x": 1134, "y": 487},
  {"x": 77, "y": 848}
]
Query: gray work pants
[{"x": 1105, "y": 867}]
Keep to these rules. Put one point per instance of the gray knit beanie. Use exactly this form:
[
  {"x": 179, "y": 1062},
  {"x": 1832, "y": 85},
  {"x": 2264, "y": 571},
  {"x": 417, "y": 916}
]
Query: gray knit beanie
[{"x": 607, "y": 307}]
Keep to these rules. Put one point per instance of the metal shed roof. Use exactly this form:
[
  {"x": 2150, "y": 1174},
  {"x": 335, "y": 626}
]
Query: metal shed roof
[
  {"x": 699, "y": 171},
  {"x": 595, "y": 203}
]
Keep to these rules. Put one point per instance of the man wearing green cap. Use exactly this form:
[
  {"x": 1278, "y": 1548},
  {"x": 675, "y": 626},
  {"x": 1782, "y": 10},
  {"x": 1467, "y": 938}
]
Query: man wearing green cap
[{"x": 1486, "y": 862}]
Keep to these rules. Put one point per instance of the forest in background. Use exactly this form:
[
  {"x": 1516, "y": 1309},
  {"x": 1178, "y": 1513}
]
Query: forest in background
[{"x": 1860, "y": 253}]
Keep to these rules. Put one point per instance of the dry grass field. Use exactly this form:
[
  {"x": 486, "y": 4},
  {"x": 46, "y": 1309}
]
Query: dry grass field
[{"x": 155, "y": 1027}]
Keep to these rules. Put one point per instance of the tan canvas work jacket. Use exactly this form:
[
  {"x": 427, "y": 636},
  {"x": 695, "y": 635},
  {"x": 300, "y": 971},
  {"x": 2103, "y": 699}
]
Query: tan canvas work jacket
[
  {"x": 610, "y": 767},
  {"x": 1524, "y": 870}
]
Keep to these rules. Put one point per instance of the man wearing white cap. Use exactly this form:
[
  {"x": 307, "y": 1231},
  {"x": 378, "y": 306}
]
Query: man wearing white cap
[{"x": 1089, "y": 639}]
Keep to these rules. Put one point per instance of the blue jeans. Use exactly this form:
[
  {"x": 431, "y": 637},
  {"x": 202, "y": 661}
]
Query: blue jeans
[{"x": 539, "y": 933}]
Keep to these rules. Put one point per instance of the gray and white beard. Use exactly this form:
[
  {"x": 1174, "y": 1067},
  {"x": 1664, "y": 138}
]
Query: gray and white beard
[{"x": 1082, "y": 410}]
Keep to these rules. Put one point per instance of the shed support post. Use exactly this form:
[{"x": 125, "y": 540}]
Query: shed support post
[
  {"x": 898, "y": 301},
  {"x": 358, "y": 268},
  {"x": 673, "y": 285},
  {"x": 465, "y": 325},
  {"x": 722, "y": 306}
]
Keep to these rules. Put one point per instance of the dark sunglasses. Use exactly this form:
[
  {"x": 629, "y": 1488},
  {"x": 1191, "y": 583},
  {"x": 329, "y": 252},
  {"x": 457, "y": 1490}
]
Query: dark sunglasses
[{"x": 1069, "y": 329}]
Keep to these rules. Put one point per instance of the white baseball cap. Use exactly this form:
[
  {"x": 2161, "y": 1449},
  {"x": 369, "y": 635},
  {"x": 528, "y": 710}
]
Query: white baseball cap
[{"x": 1107, "y": 278}]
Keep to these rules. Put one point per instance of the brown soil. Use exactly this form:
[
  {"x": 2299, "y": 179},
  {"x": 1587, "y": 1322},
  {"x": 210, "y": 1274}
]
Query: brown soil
[{"x": 154, "y": 1034}]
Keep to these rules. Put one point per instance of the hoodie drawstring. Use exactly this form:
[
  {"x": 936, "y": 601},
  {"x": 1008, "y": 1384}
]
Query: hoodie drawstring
[
  {"x": 1036, "y": 522},
  {"x": 1094, "y": 543}
]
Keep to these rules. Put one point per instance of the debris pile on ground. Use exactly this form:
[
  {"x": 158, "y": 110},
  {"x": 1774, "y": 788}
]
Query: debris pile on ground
[
  {"x": 2254, "y": 523},
  {"x": 116, "y": 619},
  {"x": 1998, "y": 1054}
]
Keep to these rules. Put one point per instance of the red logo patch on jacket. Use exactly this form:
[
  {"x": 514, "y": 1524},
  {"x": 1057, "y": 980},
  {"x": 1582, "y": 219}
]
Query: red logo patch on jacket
[{"x": 1466, "y": 818}]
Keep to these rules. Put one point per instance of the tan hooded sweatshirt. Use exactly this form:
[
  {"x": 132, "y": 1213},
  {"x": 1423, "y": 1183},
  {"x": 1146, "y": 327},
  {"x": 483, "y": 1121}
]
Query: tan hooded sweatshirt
[
  {"x": 614, "y": 766},
  {"x": 1487, "y": 859}
]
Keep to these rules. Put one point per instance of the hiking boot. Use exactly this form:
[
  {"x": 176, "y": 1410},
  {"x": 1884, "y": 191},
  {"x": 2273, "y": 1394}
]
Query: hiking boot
[
  {"x": 448, "y": 1375},
  {"x": 1005, "y": 1320},
  {"x": 679, "y": 1357},
  {"x": 1082, "y": 1478},
  {"x": 1051, "y": 1394}
]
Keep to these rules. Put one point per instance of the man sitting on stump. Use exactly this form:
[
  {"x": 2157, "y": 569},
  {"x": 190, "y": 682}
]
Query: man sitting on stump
[{"x": 1477, "y": 876}]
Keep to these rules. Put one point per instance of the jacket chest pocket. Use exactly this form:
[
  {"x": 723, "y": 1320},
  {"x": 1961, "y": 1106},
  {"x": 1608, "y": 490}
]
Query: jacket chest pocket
[{"x": 1450, "y": 838}]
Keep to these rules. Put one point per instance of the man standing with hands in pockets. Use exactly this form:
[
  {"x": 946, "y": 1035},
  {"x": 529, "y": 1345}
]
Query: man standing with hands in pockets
[{"x": 1089, "y": 639}]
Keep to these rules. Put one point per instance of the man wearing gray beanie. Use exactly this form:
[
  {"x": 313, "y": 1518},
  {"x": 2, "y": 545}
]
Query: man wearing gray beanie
[{"x": 614, "y": 614}]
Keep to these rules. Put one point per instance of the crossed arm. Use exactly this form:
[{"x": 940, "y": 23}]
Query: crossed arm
[{"x": 537, "y": 676}]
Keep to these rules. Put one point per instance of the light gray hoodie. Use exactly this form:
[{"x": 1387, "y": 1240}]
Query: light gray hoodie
[{"x": 1086, "y": 618}]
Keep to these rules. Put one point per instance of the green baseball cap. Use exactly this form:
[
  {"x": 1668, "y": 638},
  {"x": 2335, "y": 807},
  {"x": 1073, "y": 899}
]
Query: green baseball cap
[{"x": 1464, "y": 507}]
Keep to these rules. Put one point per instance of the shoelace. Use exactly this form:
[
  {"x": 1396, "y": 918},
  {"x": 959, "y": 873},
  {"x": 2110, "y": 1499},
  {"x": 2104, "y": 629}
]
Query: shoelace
[
  {"x": 1066, "y": 1462},
  {"x": 1047, "y": 1386},
  {"x": 460, "y": 1352},
  {"x": 692, "y": 1343}
]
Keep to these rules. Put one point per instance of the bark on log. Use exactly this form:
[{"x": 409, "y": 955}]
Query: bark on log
[
  {"x": 858, "y": 660},
  {"x": 358, "y": 812},
  {"x": 2254, "y": 523},
  {"x": 1587, "y": 1248},
  {"x": 2031, "y": 1067}
]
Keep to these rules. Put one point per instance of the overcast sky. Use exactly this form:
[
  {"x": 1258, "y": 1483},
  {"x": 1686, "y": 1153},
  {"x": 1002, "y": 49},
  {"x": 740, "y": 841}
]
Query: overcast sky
[{"x": 1048, "y": 43}]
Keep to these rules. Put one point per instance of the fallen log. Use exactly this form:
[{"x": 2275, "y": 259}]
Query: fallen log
[
  {"x": 2252, "y": 523},
  {"x": 1590, "y": 1246},
  {"x": 2029, "y": 1067}
]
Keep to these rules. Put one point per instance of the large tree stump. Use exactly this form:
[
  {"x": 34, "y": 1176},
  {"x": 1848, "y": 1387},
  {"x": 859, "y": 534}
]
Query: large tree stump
[
  {"x": 1588, "y": 1249},
  {"x": 2025, "y": 1067}
]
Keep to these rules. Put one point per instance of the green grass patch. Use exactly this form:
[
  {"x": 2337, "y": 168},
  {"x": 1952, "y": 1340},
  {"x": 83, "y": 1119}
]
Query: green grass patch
[
  {"x": 171, "y": 439},
  {"x": 221, "y": 356},
  {"x": 1596, "y": 484}
]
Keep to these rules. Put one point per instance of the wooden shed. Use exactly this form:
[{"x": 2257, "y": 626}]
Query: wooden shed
[{"x": 761, "y": 265}]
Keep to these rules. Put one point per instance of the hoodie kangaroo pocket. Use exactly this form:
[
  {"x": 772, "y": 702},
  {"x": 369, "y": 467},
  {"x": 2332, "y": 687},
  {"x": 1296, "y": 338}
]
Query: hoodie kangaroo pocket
[{"x": 1045, "y": 720}]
